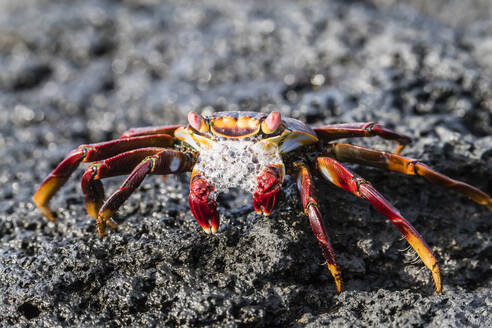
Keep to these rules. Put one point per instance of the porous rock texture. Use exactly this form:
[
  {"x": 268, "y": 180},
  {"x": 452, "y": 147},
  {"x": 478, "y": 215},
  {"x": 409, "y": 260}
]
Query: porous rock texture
[{"x": 83, "y": 71}]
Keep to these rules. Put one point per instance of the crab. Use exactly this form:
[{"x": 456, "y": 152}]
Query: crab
[{"x": 254, "y": 151}]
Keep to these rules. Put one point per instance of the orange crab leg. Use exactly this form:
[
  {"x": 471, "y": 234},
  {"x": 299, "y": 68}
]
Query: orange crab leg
[
  {"x": 202, "y": 206},
  {"x": 311, "y": 209},
  {"x": 150, "y": 130},
  {"x": 392, "y": 162},
  {"x": 164, "y": 162},
  {"x": 344, "y": 178},
  {"x": 370, "y": 129},
  {"x": 268, "y": 188},
  {"x": 121, "y": 164},
  {"x": 90, "y": 153}
]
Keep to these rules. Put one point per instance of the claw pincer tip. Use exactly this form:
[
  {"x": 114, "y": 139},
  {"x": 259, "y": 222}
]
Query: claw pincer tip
[{"x": 203, "y": 208}]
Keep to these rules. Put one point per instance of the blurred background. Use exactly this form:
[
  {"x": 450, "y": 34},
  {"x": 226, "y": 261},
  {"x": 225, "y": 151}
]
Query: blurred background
[
  {"x": 74, "y": 72},
  {"x": 106, "y": 65}
]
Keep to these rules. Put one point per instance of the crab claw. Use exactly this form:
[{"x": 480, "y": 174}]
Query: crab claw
[
  {"x": 268, "y": 189},
  {"x": 203, "y": 208}
]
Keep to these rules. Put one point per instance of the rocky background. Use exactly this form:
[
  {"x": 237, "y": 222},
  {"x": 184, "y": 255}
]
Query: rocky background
[{"x": 74, "y": 72}]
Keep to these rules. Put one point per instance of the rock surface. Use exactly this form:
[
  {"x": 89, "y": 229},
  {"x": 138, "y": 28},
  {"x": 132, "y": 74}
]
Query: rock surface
[{"x": 84, "y": 71}]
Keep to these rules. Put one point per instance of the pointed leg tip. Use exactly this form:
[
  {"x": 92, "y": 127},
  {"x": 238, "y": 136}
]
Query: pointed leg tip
[
  {"x": 104, "y": 220},
  {"x": 112, "y": 224},
  {"x": 41, "y": 204},
  {"x": 437, "y": 280},
  {"x": 47, "y": 213},
  {"x": 101, "y": 229},
  {"x": 338, "y": 285},
  {"x": 50, "y": 216},
  {"x": 337, "y": 276}
]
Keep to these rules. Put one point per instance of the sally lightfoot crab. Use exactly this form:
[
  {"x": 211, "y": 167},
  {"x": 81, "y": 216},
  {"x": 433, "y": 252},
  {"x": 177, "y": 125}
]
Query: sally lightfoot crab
[{"x": 253, "y": 151}]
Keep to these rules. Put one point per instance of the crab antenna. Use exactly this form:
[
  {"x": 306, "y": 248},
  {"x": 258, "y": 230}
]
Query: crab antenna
[
  {"x": 197, "y": 122},
  {"x": 271, "y": 123}
]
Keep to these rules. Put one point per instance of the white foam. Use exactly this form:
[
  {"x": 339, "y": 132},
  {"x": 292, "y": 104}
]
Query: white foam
[{"x": 235, "y": 164}]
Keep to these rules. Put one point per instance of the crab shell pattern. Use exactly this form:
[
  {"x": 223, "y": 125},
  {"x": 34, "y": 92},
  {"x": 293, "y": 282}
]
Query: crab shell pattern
[{"x": 176, "y": 149}]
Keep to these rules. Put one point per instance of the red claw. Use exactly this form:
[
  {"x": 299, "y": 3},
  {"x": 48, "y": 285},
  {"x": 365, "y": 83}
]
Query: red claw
[
  {"x": 268, "y": 189},
  {"x": 203, "y": 208}
]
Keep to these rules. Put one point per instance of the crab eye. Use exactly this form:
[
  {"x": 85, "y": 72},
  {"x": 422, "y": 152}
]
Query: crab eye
[
  {"x": 197, "y": 122},
  {"x": 271, "y": 123}
]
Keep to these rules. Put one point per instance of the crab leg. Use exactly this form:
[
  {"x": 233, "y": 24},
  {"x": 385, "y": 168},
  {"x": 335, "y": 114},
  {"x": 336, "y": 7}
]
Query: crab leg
[
  {"x": 344, "y": 178},
  {"x": 203, "y": 207},
  {"x": 369, "y": 129},
  {"x": 392, "y": 162},
  {"x": 149, "y": 130},
  {"x": 164, "y": 162},
  {"x": 90, "y": 153},
  {"x": 268, "y": 188},
  {"x": 121, "y": 164},
  {"x": 311, "y": 209}
]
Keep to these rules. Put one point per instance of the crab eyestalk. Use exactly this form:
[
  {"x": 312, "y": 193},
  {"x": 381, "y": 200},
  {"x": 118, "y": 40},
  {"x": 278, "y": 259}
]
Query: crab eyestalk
[
  {"x": 204, "y": 208},
  {"x": 271, "y": 123},
  {"x": 268, "y": 188},
  {"x": 197, "y": 122}
]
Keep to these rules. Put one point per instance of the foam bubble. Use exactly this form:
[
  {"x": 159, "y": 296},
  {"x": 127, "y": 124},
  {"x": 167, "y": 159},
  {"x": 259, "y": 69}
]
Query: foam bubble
[{"x": 235, "y": 164}]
